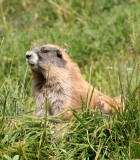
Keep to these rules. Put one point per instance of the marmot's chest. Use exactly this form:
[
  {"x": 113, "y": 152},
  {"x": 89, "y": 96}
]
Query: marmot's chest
[{"x": 56, "y": 98}]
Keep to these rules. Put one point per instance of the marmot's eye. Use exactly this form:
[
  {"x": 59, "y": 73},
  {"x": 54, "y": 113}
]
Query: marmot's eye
[
  {"x": 59, "y": 55},
  {"x": 45, "y": 51}
]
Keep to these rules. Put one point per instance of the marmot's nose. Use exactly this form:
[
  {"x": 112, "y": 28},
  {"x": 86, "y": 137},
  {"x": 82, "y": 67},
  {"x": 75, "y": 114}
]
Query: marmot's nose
[{"x": 28, "y": 56}]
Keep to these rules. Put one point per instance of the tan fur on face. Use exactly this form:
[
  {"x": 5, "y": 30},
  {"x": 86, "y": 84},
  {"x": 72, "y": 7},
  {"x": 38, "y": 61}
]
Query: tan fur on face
[{"x": 64, "y": 87}]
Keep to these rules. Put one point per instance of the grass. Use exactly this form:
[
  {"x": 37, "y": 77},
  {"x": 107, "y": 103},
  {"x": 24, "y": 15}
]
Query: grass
[{"x": 101, "y": 34}]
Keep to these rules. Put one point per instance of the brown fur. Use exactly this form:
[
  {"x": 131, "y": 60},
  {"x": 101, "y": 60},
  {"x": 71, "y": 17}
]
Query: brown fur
[{"x": 66, "y": 86}]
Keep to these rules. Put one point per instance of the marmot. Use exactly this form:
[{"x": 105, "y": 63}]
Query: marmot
[{"x": 58, "y": 79}]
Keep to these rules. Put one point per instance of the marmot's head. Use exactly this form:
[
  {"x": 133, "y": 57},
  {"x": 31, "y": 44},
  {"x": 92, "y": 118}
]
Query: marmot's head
[{"x": 44, "y": 57}]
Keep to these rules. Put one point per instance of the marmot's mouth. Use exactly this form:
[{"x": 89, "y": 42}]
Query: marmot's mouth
[{"x": 31, "y": 64}]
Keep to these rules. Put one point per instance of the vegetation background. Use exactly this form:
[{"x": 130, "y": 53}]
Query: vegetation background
[{"x": 103, "y": 37}]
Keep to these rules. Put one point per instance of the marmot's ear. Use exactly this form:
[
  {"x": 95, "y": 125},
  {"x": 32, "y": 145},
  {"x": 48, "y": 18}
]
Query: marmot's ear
[{"x": 59, "y": 54}]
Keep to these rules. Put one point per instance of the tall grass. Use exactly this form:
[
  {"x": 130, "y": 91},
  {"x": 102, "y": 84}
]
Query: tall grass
[
  {"x": 101, "y": 34},
  {"x": 91, "y": 135}
]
